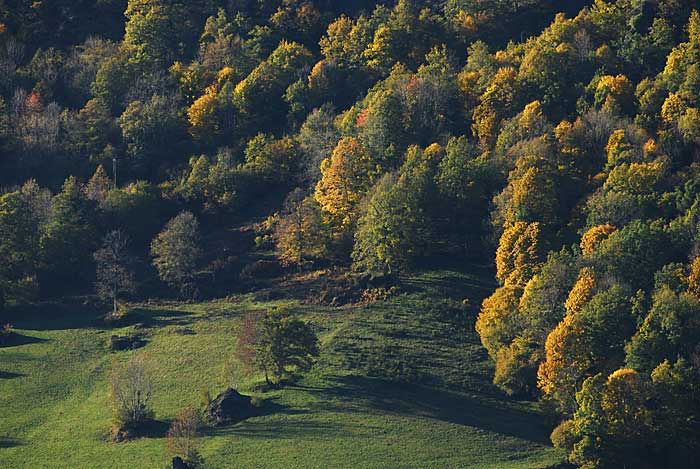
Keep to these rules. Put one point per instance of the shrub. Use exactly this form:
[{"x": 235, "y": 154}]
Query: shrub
[
  {"x": 261, "y": 269},
  {"x": 183, "y": 437},
  {"x": 131, "y": 388}
]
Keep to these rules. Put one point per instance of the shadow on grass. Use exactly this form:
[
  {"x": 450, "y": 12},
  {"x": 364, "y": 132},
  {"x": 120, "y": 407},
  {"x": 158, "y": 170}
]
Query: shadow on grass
[
  {"x": 157, "y": 318},
  {"x": 272, "y": 407},
  {"x": 452, "y": 284},
  {"x": 10, "y": 375},
  {"x": 49, "y": 316},
  {"x": 152, "y": 429},
  {"x": 8, "y": 442},
  {"x": 297, "y": 429},
  {"x": 16, "y": 339},
  {"x": 348, "y": 393}
]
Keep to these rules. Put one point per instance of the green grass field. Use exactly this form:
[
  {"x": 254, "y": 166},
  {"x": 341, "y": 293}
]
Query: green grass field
[{"x": 349, "y": 411}]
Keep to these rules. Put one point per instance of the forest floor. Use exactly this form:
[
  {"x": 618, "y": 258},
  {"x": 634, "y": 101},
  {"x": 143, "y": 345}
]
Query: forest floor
[{"x": 402, "y": 382}]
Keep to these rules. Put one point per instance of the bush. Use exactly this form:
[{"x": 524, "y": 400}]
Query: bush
[
  {"x": 183, "y": 437},
  {"x": 563, "y": 436},
  {"x": 131, "y": 387},
  {"x": 261, "y": 269}
]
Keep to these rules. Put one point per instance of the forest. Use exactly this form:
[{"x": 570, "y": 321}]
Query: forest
[{"x": 466, "y": 228}]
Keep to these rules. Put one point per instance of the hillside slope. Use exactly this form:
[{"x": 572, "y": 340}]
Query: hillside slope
[{"x": 400, "y": 383}]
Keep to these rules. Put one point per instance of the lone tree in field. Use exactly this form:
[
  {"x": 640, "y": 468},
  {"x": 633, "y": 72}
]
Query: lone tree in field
[
  {"x": 274, "y": 342},
  {"x": 131, "y": 387},
  {"x": 183, "y": 437},
  {"x": 114, "y": 275},
  {"x": 176, "y": 251}
]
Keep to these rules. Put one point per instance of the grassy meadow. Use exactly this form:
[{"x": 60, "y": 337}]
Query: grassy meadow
[{"x": 402, "y": 382}]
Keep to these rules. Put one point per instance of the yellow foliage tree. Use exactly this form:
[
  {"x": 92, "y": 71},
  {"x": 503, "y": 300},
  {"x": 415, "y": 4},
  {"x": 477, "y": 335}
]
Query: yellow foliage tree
[
  {"x": 593, "y": 237},
  {"x": 694, "y": 277},
  {"x": 498, "y": 99},
  {"x": 497, "y": 323},
  {"x": 567, "y": 360},
  {"x": 519, "y": 253},
  {"x": 635, "y": 178},
  {"x": 581, "y": 292},
  {"x": 346, "y": 176},
  {"x": 672, "y": 109},
  {"x": 623, "y": 402},
  {"x": 615, "y": 93}
]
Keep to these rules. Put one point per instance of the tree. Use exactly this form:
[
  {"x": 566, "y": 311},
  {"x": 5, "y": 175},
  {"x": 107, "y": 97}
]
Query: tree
[
  {"x": 276, "y": 341},
  {"x": 69, "y": 237},
  {"x": 259, "y": 97},
  {"x": 318, "y": 137},
  {"x": 593, "y": 237},
  {"x": 566, "y": 362},
  {"x": 346, "y": 176},
  {"x": 395, "y": 227},
  {"x": 520, "y": 252},
  {"x": 99, "y": 185},
  {"x": 634, "y": 252},
  {"x": 152, "y": 130},
  {"x": 669, "y": 331},
  {"x": 176, "y": 252},
  {"x": 114, "y": 275},
  {"x": 273, "y": 160},
  {"x": 183, "y": 437},
  {"x": 612, "y": 421},
  {"x": 158, "y": 31},
  {"x": 131, "y": 388},
  {"x": 587, "y": 341},
  {"x": 676, "y": 391},
  {"x": 540, "y": 309},
  {"x": 299, "y": 232},
  {"x": 19, "y": 243},
  {"x": 498, "y": 323}
]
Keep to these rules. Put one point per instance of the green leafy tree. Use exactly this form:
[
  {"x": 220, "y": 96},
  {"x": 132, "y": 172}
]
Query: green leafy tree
[
  {"x": 160, "y": 31},
  {"x": 669, "y": 331},
  {"x": 274, "y": 342},
  {"x": 152, "y": 131},
  {"x": 69, "y": 238},
  {"x": 176, "y": 251},
  {"x": 19, "y": 246},
  {"x": 395, "y": 228}
]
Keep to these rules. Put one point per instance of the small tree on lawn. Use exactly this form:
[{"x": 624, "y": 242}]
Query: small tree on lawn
[
  {"x": 176, "y": 251},
  {"x": 183, "y": 437},
  {"x": 131, "y": 387},
  {"x": 275, "y": 342},
  {"x": 114, "y": 275}
]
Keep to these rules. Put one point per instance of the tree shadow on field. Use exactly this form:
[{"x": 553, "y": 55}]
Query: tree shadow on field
[
  {"x": 152, "y": 429},
  {"x": 8, "y": 442},
  {"x": 16, "y": 339},
  {"x": 271, "y": 406},
  {"x": 50, "y": 316},
  {"x": 10, "y": 375},
  {"x": 290, "y": 429},
  {"x": 157, "y": 317},
  {"x": 349, "y": 393}
]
